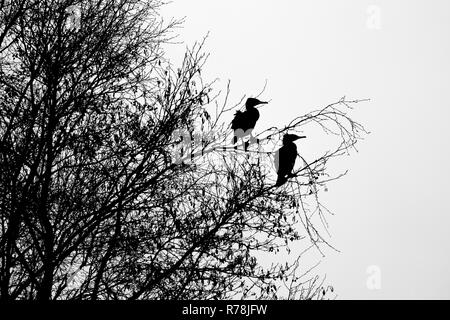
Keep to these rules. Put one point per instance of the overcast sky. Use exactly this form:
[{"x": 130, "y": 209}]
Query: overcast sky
[{"x": 392, "y": 209}]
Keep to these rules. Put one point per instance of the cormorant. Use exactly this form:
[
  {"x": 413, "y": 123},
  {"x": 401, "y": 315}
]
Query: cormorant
[
  {"x": 285, "y": 158},
  {"x": 244, "y": 122}
]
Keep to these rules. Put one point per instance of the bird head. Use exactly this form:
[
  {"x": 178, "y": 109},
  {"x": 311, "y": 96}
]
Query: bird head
[
  {"x": 287, "y": 138},
  {"x": 253, "y": 102}
]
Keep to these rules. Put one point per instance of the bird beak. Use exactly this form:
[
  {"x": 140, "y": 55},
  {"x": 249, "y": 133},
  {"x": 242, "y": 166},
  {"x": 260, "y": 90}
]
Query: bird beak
[
  {"x": 263, "y": 102},
  {"x": 299, "y": 137}
]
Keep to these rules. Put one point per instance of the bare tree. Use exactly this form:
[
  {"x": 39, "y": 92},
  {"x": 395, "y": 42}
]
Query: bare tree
[{"x": 116, "y": 178}]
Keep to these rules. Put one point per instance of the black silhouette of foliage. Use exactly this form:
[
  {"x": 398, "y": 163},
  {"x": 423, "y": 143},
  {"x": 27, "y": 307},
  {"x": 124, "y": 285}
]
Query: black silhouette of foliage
[{"x": 116, "y": 178}]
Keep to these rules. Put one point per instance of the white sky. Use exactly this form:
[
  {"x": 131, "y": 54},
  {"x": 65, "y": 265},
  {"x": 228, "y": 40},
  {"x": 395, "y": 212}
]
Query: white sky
[{"x": 392, "y": 209}]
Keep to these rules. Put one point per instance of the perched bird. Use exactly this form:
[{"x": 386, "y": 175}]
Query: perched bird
[
  {"x": 244, "y": 122},
  {"x": 285, "y": 158}
]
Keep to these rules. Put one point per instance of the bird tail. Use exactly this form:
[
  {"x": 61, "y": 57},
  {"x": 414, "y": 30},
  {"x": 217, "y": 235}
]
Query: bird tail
[
  {"x": 280, "y": 180},
  {"x": 235, "y": 140}
]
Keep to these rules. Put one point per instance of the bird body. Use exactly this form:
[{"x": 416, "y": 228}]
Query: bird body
[
  {"x": 285, "y": 158},
  {"x": 244, "y": 121}
]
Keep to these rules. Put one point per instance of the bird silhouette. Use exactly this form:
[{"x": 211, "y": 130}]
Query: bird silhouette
[
  {"x": 244, "y": 122},
  {"x": 285, "y": 158}
]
